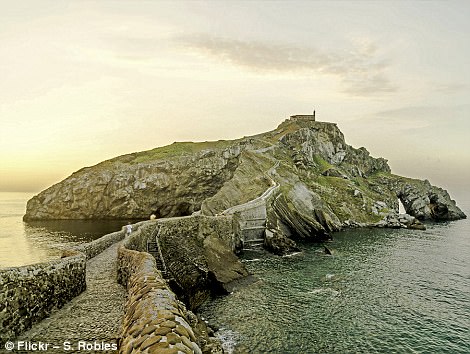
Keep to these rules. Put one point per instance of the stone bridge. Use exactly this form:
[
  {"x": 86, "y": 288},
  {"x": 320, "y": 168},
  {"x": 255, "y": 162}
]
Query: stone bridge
[{"x": 76, "y": 301}]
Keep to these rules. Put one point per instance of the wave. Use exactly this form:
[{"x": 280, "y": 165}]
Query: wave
[
  {"x": 4, "y": 216},
  {"x": 329, "y": 276},
  {"x": 323, "y": 291},
  {"x": 292, "y": 254}
]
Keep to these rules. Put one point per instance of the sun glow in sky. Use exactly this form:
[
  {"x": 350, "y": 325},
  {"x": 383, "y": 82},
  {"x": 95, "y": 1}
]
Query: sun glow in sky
[{"x": 86, "y": 81}]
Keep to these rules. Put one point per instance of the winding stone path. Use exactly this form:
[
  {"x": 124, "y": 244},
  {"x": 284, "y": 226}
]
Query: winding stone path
[{"x": 93, "y": 316}]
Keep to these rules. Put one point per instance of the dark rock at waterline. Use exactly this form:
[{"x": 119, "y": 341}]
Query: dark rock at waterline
[
  {"x": 417, "y": 226},
  {"x": 398, "y": 221},
  {"x": 279, "y": 244}
]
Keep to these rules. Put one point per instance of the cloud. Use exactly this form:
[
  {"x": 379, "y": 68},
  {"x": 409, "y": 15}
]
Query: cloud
[
  {"x": 436, "y": 113},
  {"x": 450, "y": 87},
  {"x": 366, "y": 84},
  {"x": 434, "y": 119},
  {"x": 359, "y": 69}
]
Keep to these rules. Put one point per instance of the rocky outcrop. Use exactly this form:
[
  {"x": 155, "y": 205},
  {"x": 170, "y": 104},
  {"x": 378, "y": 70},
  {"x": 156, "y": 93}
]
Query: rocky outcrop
[
  {"x": 197, "y": 254},
  {"x": 399, "y": 221},
  {"x": 432, "y": 203},
  {"x": 301, "y": 213},
  {"x": 423, "y": 200},
  {"x": 137, "y": 185},
  {"x": 279, "y": 244},
  {"x": 324, "y": 184}
]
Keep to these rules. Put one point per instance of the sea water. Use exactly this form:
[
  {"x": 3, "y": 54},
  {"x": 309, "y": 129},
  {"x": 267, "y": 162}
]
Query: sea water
[
  {"x": 381, "y": 291},
  {"x": 23, "y": 243}
]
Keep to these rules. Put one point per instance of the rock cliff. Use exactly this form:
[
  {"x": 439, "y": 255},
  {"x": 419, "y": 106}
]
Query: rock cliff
[{"x": 324, "y": 184}]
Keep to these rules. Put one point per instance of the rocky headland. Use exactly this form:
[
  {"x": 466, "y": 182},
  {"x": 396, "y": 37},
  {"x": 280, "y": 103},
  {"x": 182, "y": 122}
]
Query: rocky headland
[
  {"x": 325, "y": 184},
  {"x": 302, "y": 179}
]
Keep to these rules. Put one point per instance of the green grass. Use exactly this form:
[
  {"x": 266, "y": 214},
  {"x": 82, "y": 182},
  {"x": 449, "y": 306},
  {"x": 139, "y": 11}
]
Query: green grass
[
  {"x": 283, "y": 129},
  {"x": 322, "y": 164},
  {"x": 179, "y": 149}
]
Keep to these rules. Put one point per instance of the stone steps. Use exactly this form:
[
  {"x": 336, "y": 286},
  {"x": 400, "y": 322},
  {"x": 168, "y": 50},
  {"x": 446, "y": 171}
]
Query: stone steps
[
  {"x": 154, "y": 249},
  {"x": 252, "y": 223},
  {"x": 260, "y": 240},
  {"x": 253, "y": 244},
  {"x": 254, "y": 228},
  {"x": 253, "y": 233}
]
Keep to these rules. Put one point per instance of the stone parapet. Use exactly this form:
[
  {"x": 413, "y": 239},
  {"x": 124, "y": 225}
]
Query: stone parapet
[
  {"x": 93, "y": 248},
  {"x": 155, "y": 321},
  {"x": 30, "y": 293}
]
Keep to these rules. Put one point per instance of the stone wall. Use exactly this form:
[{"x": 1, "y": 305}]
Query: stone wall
[
  {"x": 154, "y": 321},
  {"x": 30, "y": 293},
  {"x": 196, "y": 226}
]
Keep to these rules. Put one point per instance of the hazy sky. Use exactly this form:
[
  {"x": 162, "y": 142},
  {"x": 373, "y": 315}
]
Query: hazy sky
[{"x": 84, "y": 81}]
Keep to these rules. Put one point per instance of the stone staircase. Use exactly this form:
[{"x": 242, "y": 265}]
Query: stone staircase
[
  {"x": 252, "y": 219},
  {"x": 252, "y": 215},
  {"x": 252, "y": 232},
  {"x": 153, "y": 247}
]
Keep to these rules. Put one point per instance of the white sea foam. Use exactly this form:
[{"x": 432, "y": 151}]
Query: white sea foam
[
  {"x": 228, "y": 339},
  {"x": 329, "y": 276},
  {"x": 323, "y": 290},
  {"x": 292, "y": 254}
]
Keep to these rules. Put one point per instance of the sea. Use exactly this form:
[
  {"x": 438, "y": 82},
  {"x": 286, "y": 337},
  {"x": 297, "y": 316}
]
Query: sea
[
  {"x": 381, "y": 290},
  {"x": 23, "y": 243}
]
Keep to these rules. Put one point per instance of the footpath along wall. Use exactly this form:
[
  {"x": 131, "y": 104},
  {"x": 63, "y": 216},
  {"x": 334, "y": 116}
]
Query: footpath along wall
[{"x": 30, "y": 293}]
